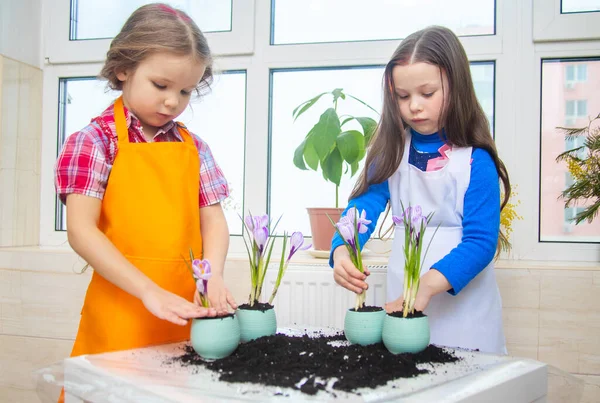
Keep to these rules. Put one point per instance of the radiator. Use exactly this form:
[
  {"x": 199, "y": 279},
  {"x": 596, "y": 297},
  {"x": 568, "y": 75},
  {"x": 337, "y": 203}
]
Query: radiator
[{"x": 309, "y": 296}]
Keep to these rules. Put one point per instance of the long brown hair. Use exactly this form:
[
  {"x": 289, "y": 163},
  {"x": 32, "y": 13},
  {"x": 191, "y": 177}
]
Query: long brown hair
[
  {"x": 156, "y": 28},
  {"x": 462, "y": 118}
]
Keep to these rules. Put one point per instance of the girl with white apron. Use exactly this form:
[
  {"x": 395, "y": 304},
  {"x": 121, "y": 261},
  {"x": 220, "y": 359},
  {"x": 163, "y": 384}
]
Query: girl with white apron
[{"x": 472, "y": 318}]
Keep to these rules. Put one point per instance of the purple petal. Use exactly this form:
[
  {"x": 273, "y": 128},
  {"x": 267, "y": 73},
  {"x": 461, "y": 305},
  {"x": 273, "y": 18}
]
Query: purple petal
[
  {"x": 397, "y": 220},
  {"x": 347, "y": 231},
  {"x": 249, "y": 222},
  {"x": 417, "y": 211},
  {"x": 296, "y": 240},
  {"x": 260, "y": 236}
]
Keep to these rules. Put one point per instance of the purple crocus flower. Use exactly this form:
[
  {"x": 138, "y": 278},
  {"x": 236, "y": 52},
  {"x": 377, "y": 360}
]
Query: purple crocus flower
[
  {"x": 254, "y": 222},
  {"x": 346, "y": 229},
  {"x": 261, "y": 235},
  {"x": 297, "y": 243},
  {"x": 202, "y": 273},
  {"x": 360, "y": 219}
]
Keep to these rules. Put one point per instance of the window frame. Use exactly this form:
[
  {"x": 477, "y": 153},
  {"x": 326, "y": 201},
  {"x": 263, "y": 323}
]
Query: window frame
[
  {"x": 550, "y": 24},
  {"x": 59, "y": 49}
]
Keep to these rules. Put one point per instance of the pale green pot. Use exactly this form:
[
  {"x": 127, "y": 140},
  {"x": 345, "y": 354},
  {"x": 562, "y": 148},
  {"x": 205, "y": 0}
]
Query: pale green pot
[
  {"x": 255, "y": 324},
  {"x": 214, "y": 338},
  {"x": 363, "y": 328},
  {"x": 405, "y": 335}
]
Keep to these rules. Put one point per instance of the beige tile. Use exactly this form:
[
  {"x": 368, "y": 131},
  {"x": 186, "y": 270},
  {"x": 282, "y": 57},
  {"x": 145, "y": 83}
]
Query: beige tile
[
  {"x": 20, "y": 356},
  {"x": 596, "y": 278},
  {"x": 519, "y": 288},
  {"x": 563, "y": 387},
  {"x": 591, "y": 391},
  {"x": 523, "y": 351},
  {"x": 589, "y": 364},
  {"x": 564, "y": 289},
  {"x": 10, "y": 286},
  {"x": 14, "y": 395},
  {"x": 521, "y": 326},
  {"x": 562, "y": 356}
]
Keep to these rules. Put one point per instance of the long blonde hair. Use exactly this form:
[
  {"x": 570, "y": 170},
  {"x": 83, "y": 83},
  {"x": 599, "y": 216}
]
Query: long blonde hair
[{"x": 156, "y": 28}]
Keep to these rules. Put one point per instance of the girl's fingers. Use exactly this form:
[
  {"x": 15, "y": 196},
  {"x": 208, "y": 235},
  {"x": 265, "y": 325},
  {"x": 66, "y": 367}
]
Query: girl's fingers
[
  {"x": 231, "y": 301},
  {"x": 344, "y": 283},
  {"x": 174, "y": 318}
]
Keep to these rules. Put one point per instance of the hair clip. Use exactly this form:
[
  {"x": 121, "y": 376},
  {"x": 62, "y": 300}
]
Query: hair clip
[{"x": 176, "y": 13}]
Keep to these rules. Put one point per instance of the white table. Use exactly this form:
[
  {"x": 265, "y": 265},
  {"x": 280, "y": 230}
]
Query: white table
[{"x": 141, "y": 375}]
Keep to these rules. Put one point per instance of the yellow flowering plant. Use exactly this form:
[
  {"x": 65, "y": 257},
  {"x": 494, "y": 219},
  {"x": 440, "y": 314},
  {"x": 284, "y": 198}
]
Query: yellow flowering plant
[
  {"x": 507, "y": 216},
  {"x": 583, "y": 163}
]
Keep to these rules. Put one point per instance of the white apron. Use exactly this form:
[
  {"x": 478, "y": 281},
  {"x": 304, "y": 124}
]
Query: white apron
[{"x": 473, "y": 318}]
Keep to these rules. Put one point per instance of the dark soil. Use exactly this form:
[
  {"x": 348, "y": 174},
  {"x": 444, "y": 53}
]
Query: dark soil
[
  {"x": 286, "y": 361},
  {"x": 258, "y": 306},
  {"x": 368, "y": 308},
  {"x": 416, "y": 314}
]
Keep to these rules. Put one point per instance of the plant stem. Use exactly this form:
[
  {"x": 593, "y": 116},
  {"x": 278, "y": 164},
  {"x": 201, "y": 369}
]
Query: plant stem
[{"x": 337, "y": 196}]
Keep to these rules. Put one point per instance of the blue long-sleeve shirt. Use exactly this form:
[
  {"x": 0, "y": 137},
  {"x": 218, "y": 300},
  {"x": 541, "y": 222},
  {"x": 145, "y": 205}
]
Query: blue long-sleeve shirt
[{"x": 481, "y": 213}]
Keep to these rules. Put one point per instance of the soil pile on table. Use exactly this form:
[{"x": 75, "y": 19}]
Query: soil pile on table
[{"x": 310, "y": 363}]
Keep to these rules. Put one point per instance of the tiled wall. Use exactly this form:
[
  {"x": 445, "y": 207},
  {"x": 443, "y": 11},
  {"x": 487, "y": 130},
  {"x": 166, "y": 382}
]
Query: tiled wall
[
  {"x": 549, "y": 315},
  {"x": 20, "y": 141}
]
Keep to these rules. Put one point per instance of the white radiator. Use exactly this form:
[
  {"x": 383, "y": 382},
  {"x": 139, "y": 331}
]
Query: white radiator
[{"x": 308, "y": 295}]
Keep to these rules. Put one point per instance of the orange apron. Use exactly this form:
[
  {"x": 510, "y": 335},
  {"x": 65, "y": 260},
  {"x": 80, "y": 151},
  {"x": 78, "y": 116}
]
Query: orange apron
[{"x": 150, "y": 213}]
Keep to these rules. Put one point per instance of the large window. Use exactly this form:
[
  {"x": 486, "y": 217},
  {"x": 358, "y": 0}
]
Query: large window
[
  {"x": 564, "y": 105},
  {"x": 293, "y": 190},
  {"x": 95, "y": 19},
  {"x": 314, "y": 21},
  {"x": 218, "y": 119},
  {"x": 579, "y": 6}
]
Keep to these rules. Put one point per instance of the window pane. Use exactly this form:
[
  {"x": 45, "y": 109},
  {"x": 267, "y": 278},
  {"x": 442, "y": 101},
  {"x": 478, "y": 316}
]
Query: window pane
[
  {"x": 581, "y": 73},
  {"x": 553, "y": 175},
  {"x": 579, "y": 6},
  {"x": 359, "y": 20},
  {"x": 570, "y": 71},
  {"x": 218, "y": 118},
  {"x": 293, "y": 190},
  {"x": 94, "y": 19}
]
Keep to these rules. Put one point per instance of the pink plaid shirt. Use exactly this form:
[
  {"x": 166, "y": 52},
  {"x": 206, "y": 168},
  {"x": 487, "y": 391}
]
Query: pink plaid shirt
[{"x": 87, "y": 156}]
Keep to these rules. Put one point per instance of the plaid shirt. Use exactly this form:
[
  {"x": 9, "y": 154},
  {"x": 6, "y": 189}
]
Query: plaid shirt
[{"x": 87, "y": 157}]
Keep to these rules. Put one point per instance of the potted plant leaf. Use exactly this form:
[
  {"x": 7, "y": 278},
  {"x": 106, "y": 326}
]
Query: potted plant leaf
[
  {"x": 583, "y": 163},
  {"x": 211, "y": 338},
  {"x": 258, "y": 318},
  {"x": 407, "y": 331},
  {"x": 335, "y": 145},
  {"x": 362, "y": 324}
]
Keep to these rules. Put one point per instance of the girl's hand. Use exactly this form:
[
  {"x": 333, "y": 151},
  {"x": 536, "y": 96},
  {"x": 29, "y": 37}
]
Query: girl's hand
[
  {"x": 219, "y": 296},
  {"x": 421, "y": 300},
  {"x": 171, "y": 307},
  {"x": 346, "y": 274}
]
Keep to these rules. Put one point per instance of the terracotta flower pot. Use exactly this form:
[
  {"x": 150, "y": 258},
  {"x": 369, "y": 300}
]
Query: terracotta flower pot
[
  {"x": 214, "y": 338},
  {"x": 363, "y": 328},
  {"x": 321, "y": 229}
]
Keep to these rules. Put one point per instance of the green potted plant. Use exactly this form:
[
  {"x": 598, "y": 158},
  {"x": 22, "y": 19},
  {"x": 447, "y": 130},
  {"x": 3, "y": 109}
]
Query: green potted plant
[
  {"x": 334, "y": 146},
  {"x": 584, "y": 166}
]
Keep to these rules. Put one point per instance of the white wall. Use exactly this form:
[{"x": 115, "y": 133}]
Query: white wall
[{"x": 20, "y": 30}]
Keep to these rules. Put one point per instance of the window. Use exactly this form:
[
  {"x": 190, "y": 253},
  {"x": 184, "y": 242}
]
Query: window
[
  {"x": 554, "y": 176},
  {"x": 292, "y": 190},
  {"x": 80, "y": 31},
  {"x": 218, "y": 118},
  {"x": 579, "y": 6},
  {"x": 95, "y": 19},
  {"x": 575, "y": 73},
  {"x": 570, "y": 215},
  {"x": 357, "y": 20},
  {"x": 575, "y": 110}
]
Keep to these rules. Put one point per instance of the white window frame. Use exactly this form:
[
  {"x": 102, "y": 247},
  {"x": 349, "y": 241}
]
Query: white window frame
[
  {"x": 549, "y": 24},
  {"x": 58, "y": 48},
  {"x": 517, "y": 108}
]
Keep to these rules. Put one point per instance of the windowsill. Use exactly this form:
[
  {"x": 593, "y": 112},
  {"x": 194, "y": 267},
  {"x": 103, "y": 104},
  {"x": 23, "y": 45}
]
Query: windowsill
[{"x": 64, "y": 260}]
